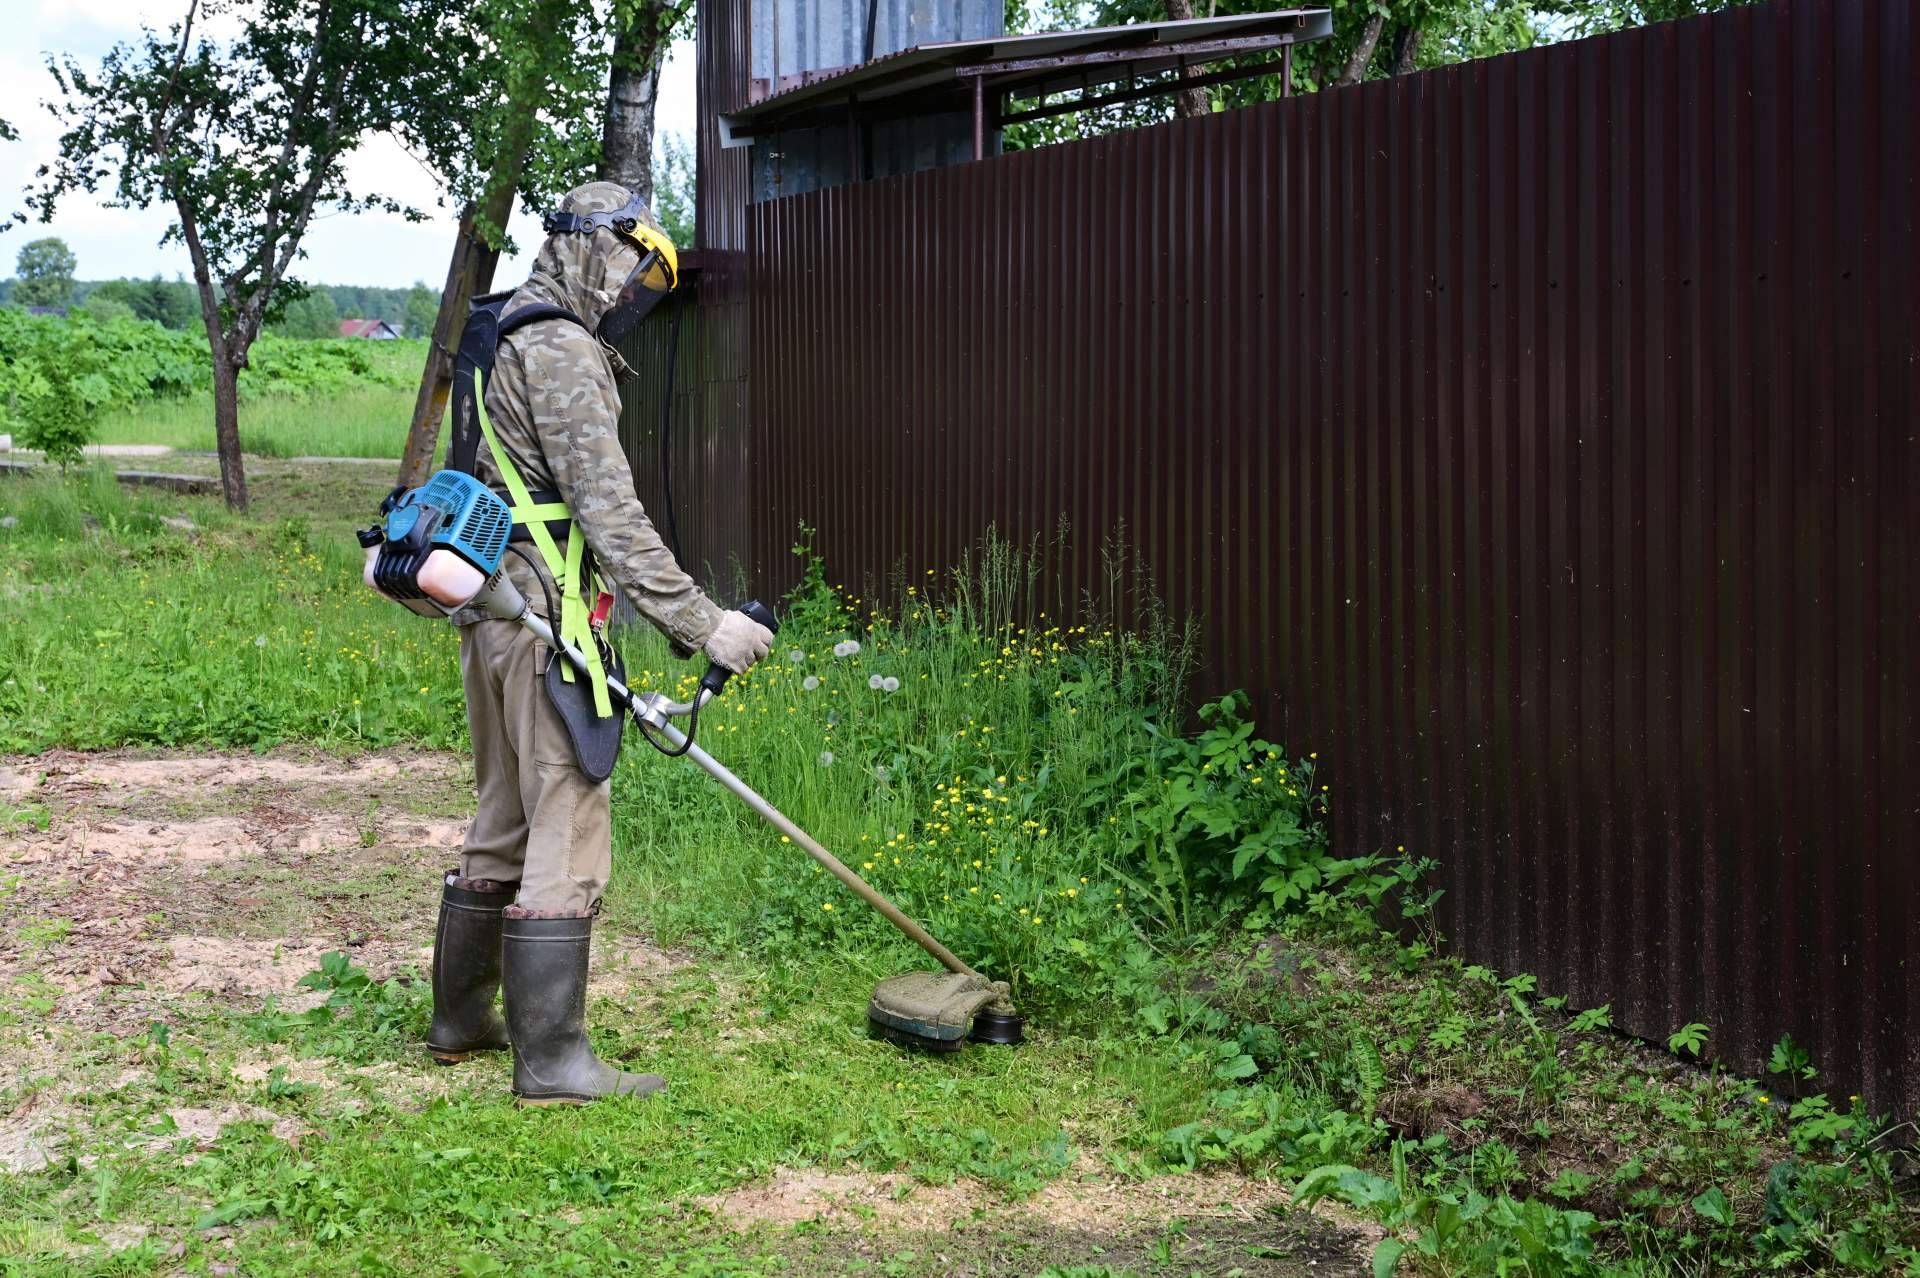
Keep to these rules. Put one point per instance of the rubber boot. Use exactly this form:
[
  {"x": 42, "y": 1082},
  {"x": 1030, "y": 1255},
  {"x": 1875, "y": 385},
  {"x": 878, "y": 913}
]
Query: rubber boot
[
  {"x": 466, "y": 971},
  {"x": 546, "y": 995}
]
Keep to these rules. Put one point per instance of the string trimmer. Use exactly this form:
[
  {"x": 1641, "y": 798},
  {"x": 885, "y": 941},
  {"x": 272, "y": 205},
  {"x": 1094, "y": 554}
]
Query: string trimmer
[{"x": 439, "y": 548}]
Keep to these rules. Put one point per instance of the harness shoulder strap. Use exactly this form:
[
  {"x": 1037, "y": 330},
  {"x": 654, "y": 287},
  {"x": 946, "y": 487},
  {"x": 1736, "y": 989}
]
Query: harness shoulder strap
[
  {"x": 563, "y": 566},
  {"x": 534, "y": 314}
]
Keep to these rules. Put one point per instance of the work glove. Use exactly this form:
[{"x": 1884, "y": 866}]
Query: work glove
[{"x": 738, "y": 641}]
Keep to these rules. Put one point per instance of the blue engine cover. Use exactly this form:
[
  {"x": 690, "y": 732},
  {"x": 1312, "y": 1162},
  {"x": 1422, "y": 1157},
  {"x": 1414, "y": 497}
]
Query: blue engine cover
[
  {"x": 451, "y": 511},
  {"x": 465, "y": 516}
]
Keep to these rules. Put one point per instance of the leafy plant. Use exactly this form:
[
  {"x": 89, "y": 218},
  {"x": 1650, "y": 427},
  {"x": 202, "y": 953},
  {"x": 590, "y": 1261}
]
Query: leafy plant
[{"x": 1688, "y": 1039}]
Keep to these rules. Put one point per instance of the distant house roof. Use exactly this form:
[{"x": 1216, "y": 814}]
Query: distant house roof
[{"x": 378, "y": 330}]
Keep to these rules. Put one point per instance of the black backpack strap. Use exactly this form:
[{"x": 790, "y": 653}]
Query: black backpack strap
[
  {"x": 479, "y": 347},
  {"x": 534, "y": 314}
]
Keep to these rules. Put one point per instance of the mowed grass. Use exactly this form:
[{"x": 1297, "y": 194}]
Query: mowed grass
[
  {"x": 400, "y": 1169},
  {"x": 369, "y": 421}
]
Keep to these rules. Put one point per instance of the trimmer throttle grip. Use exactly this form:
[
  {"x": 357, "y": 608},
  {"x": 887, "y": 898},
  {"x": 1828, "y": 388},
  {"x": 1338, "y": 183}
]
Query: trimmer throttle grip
[{"x": 715, "y": 680}]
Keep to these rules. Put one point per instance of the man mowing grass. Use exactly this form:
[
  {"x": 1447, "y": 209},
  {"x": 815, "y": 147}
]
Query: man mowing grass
[{"x": 518, "y": 912}]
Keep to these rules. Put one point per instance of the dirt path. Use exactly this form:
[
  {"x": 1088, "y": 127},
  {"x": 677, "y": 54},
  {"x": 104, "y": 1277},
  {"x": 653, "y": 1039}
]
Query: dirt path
[{"x": 139, "y": 889}]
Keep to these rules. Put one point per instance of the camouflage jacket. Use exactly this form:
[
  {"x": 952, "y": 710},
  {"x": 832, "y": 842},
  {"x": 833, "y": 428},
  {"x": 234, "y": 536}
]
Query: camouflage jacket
[{"x": 555, "y": 407}]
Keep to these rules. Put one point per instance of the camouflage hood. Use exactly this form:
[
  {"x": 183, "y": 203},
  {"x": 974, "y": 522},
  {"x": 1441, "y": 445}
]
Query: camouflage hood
[{"x": 584, "y": 273}]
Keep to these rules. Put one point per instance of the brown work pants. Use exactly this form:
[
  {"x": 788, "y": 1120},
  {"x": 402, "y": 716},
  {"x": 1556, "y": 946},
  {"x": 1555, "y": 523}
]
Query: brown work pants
[{"x": 540, "y": 821}]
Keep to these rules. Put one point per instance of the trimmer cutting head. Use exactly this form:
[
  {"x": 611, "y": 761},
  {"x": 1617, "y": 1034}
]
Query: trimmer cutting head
[{"x": 939, "y": 1011}]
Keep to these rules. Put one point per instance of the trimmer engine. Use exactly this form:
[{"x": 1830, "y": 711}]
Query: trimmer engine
[{"x": 437, "y": 545}]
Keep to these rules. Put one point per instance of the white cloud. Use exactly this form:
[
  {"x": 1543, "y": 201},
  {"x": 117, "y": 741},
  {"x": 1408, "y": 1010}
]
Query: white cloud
[{"x": 368, "y": 249}]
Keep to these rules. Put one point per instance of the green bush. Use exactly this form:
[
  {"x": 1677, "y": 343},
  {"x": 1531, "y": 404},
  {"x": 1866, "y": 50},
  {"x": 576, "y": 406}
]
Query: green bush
[{"x": 92, "y": 365}]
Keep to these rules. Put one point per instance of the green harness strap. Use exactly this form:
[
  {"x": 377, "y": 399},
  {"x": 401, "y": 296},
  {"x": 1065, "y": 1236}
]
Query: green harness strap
[{"x": 575, "y": 628}]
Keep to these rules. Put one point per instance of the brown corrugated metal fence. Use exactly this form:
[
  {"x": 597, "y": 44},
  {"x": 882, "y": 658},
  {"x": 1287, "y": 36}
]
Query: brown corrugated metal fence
[{"x": 1535, "y": 438}]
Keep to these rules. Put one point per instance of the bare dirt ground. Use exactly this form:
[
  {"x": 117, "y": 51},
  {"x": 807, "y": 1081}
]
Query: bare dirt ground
[
  {"x": 223, "y": 875},
  {"x": 141, "y": 889}
]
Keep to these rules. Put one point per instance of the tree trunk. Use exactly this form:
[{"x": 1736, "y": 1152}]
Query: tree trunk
[
  {"x": 470, "y": 273},
  {"x": 1362, "y": 52},
  {"x": 1406, "y": 51},
  {"x": 226, "y": 431},
  {"x": 1187, "y": 103},
  {"x": 226, "y": 367},
  {"x": 626, "y": 143}
]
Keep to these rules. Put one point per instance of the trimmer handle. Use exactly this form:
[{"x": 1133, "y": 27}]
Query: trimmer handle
[{"x": 715, "y": 679}]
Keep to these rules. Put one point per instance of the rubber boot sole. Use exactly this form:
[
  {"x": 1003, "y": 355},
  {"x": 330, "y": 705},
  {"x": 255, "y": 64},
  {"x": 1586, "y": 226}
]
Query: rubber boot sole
[{"x": 454, "y": 1058}]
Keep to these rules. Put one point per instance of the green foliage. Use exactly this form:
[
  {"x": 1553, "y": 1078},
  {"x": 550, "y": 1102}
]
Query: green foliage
[
  {"x": 421, "y": 309},
  {"x": 104, "y": 309},
  {"x": 673, "y": 174},
  {"x": 1459, "y": 1229},
  {"x": 1222, "y": 818},
  {"x": 1688, "y": 1040},
  {"x": 1595, "y": 17},
  {"x": 60, "y": 375},
  {"x": 361, "y": 1020},
  {"x": 1372, "y": 39},
  {"x": 45, "y": 269},
  {"x": 1792, "y": 1060},
  {"x": 948, "y": 754},
  {"x": 310, "y": 316},
  {"x": 166, "y": 302}
]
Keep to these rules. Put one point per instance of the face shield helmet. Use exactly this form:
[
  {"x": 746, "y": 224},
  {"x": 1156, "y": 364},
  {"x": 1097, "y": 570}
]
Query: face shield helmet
[{"x": 654, "y": 273}]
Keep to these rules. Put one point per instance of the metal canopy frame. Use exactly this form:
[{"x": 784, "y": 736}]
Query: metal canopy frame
[{"x": 980, "y": 75}]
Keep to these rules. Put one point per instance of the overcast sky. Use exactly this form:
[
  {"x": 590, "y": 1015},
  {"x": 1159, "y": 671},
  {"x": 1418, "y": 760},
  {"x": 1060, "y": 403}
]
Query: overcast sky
[{"x": 366, "y": 248}]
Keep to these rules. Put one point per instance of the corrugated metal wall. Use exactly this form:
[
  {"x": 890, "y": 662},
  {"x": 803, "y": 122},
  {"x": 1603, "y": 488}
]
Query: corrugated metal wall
[{"x": 1535, "y": 438}]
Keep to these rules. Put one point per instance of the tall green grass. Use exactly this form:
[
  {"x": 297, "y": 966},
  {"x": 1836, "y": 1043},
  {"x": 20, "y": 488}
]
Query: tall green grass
[
  {"x": 368, "y": 421},
  {"x": 117, "y": 628}
]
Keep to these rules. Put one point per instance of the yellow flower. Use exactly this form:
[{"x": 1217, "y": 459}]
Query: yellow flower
[
  {"x": 1763, "y": 1100},
  {"x": 827, "y": 906}
]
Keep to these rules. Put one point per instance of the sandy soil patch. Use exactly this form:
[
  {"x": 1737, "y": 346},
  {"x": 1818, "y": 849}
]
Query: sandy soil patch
[
  {"x": 1088, "y": 1201},
  {"x": 202, "y": 1124},
  {"x": 626, "y": 965},
  {"x": 222, "y": 965},
  {"x": 229, "y": 771},
  {"x": 27, "y": 1144}
]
